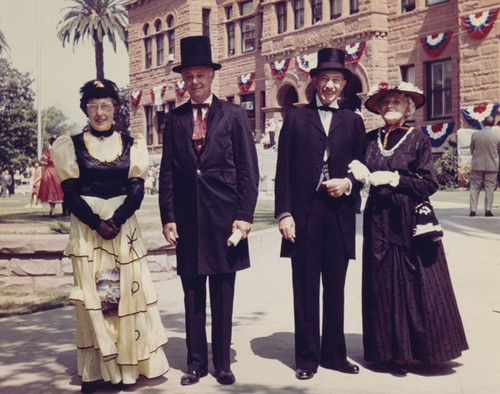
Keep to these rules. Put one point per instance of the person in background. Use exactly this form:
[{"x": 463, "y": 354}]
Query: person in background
[
  {"x": 408, "y": 304},
  {"x": 315, "y": 206},
  {"x": 208, "y": 191},
  {"x": 36, "y": 179},
  {"x": 119, "y": 333},
  {"x": 50, "y": 188},
  {"x": 485, "y": 150},
  {"x": 6, "y": 182}
]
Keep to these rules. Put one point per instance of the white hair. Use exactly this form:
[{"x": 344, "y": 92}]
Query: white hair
[{"x": 409, "y": 100}]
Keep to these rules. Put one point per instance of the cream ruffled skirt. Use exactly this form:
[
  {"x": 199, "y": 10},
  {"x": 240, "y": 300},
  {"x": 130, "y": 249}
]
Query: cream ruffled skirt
[{"x": 121, "y": 344}]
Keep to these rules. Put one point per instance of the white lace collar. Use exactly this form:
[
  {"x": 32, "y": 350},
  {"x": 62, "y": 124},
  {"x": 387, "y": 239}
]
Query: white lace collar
[{"x": 390, "y": 152}]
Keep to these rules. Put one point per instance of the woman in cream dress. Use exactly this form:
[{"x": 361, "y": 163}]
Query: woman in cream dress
[{"x": 119, "y": 331}]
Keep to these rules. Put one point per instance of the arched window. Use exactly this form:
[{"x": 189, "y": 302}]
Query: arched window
[
  {"x": 148, "y": 47},
  {"x": 159, "y": 43},
  {"x": 171, "y": 37},
  {"x": 158, "y": 25}
]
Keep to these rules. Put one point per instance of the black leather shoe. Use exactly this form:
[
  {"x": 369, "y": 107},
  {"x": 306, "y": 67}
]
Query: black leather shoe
[
  {"x": 472, "y": 213},
  {"x": 193, "y": 376},
  {"x": 224, "y": 376},
  {"x": 304, "y": 373},
  {"x": 89, "y": 387},
  {"x": 346, "y": 367},
  {"x": 488, "y": 213}
]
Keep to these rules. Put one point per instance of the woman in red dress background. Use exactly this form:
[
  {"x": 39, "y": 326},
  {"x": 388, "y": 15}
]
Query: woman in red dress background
[{"x": 50, "y": 188}]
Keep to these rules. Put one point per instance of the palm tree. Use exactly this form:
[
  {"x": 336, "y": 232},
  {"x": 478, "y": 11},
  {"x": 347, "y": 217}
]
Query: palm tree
[
  {"x": 94, "y": 19},
  {"x": 3, "y": 44}
]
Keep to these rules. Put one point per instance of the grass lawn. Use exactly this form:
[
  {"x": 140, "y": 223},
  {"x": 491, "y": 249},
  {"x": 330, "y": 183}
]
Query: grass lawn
[
  {"x": 15, "y": 218},
  {"x": 21, "y": 220}
]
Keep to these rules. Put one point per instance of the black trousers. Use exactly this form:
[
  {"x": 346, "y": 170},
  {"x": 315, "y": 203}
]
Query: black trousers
[
  {"x": 221, "y": 288},
  {"x": 322, "y": 255}
]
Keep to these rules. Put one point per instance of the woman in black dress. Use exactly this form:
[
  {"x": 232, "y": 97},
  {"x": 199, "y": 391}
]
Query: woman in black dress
[{"x": 409, "y": 308}]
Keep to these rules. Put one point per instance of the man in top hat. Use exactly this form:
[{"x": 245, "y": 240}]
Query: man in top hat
[
  {"x": 208, "y": 191},
  {"x": 315, "y": 206}
]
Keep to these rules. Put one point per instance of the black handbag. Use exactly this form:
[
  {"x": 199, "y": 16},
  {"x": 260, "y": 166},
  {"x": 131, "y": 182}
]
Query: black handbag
[{"x": 426, "y": 225}]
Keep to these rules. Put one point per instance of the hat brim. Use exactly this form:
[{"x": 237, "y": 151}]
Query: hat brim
[
  {"x": 334, "y": 67},
  {"x": 180, "y": 67},
  {"x": 371, "y": 104}
]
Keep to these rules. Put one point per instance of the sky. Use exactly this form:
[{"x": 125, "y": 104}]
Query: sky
[{"x": 62, "y": 70}]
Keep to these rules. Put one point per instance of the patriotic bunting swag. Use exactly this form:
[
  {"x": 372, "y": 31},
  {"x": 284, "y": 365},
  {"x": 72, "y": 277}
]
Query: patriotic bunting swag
[
  {"x": 478, "y": 25},
  {"x": 135, "y": 97},
  {"x": 279, "y": 68},
  {"x": 438, "y": 132},
  {"x": 180, "y": 88},
  {"x": 354, "y": 51},
  {"x": 157, "y": 94},
  {"x": 245, "y": 81},
  {"x": 476, "y": 115},
  {"x": 307, "y": 62},
  {"x": 435, "y": 43}
]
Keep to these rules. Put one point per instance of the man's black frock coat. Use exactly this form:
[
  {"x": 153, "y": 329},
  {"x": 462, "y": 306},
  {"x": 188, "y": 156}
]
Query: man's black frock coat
[
  {"x": 203, "y": 192},
  {"x": 302, "y": 144}
]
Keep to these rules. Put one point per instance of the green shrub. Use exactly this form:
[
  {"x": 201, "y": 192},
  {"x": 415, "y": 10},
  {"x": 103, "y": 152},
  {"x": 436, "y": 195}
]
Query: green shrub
[{"x": 446, "y": 169}]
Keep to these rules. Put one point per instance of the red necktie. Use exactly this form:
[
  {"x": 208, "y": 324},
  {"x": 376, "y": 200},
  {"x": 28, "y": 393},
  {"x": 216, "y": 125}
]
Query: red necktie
[{"x": 200, "y": 125}]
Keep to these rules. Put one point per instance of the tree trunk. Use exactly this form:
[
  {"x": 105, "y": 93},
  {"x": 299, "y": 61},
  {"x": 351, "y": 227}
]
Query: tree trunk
[{"x": 99, "y": 58}]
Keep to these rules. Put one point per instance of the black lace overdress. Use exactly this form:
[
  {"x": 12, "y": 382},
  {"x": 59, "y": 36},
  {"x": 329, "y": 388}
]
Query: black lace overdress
[{"x": 409, "y": 307}]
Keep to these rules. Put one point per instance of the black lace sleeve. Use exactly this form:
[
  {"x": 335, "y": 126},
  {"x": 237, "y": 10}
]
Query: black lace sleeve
[
  {"x": 77, "y": 205},
  {"x": 135, "y": 194}
]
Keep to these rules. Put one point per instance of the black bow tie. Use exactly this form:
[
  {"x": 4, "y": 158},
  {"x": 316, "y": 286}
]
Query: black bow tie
[
  {"x": 325, "y": 108},
  {"x": 200, "y": 106}
]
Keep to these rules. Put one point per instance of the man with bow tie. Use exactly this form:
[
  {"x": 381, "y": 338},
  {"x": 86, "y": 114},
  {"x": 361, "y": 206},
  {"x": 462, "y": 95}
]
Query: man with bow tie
[
  {"x": 315, "y": 206},
  {"x": 208, "y": 191}
]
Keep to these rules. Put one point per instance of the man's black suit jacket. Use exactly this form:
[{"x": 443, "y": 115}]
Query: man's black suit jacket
[{"x": 301, "y": 148}]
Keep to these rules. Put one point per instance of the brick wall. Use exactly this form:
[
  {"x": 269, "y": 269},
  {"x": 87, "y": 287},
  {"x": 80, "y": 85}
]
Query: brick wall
[{"x": 392, "y": 41}]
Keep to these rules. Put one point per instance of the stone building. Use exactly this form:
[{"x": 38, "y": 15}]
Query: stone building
[{"x": 249, "y": 36}]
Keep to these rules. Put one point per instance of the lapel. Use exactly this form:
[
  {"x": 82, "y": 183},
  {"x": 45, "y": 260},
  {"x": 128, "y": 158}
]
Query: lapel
[
  {"x": 336, "y": 123},
  {"x": 186, "y": 119},
  {"x": 313, "y": 116},
  {"x": 214, "y": 115}
]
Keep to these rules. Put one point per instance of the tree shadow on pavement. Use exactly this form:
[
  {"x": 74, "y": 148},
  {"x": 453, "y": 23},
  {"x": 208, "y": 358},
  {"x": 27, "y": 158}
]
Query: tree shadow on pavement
[
  {"x": 278, "y": 346},
  {"x": 41, "y": 344}
]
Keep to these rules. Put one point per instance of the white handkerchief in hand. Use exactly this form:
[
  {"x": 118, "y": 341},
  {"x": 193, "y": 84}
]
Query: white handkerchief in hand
[{"x": 234, "y": 238}]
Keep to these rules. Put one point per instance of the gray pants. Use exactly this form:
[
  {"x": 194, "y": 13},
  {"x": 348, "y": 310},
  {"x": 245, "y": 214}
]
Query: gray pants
[{"x": 478, "y": 181}]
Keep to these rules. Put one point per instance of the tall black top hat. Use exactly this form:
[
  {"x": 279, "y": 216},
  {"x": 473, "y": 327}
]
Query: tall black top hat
[
  {"x": 331, "y": 59},
  {"x": 196, "y": 51}
]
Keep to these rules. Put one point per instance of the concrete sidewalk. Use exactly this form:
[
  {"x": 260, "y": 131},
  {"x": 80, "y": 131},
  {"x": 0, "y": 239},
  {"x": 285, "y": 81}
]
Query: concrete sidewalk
[{"x": 38, "y": 355}]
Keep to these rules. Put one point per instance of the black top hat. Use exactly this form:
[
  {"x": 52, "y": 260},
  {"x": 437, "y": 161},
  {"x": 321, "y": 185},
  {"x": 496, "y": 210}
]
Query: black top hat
[
  {"x": 196, "y": 51},
  {"x": 331, "y": 59}
]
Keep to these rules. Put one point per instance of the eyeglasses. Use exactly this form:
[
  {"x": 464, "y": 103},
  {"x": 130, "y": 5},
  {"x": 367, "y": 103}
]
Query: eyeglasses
[{"x": 106, "y": 106}]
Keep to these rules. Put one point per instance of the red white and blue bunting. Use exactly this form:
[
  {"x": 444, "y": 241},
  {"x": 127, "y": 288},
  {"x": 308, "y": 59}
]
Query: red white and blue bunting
[
  {"x": 157, "y": 94},
  {"x": 279, "y": 68},
  {"x": 307, "y": 62},
  {"x": 475, "y": 115},
  {"x": 479, "y": 24},
  {"x": 438, "y": 132},
  {"x": 180, "y": 88},
  {"x": 354, "y": 51},
  {"x": 245, "y": 81},
  {"x": 135, "y": 97},
  {"x": 434, "y": 44}
]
